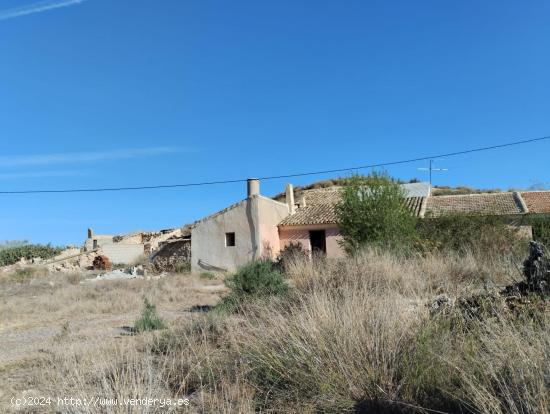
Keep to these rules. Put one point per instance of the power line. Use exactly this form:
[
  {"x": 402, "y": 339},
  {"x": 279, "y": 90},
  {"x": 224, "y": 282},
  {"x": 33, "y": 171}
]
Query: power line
[{"x": 276, "y": 177}]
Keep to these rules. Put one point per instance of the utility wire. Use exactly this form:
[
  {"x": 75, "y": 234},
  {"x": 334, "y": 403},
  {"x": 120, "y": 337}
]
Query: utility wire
[{"x": 275, "y": 177}]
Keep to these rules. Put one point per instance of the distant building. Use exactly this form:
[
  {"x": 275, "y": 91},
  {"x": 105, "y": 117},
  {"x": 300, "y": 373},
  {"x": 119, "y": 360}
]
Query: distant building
[
  {"x": 260, "y": 227},
  {"x": 128, "y": 248}
]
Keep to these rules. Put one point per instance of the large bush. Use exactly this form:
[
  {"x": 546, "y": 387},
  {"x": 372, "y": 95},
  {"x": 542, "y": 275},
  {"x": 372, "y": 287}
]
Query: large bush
[
  {"x": 373, "y": 211},
  {"x": 12, "y": 255},
  {"x": 460, "y": 233},
  {"x": 254, "y": 280}
]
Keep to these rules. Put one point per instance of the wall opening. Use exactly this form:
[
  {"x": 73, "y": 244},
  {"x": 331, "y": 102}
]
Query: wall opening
[
  {"x": 318, "y": 241},
  {"x": 94, "y": 246},
  {"x": 230, "y": 239}
]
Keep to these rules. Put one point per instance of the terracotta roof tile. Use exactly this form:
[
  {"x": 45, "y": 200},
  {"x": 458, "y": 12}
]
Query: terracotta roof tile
[
  {"x": 494, "y": 203},
  {"x": 313, "y": 214},
  {"x": 328, "y": 195},
  {"x": 537, "y": 201},
  {"x": 320, "y": 205}
]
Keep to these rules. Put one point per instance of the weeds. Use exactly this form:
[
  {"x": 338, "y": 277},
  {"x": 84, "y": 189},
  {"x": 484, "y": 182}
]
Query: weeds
[
  {"x": 207, "y": 276},
  {"x": 23, "y": 274},
  {"x": 254, "y": 280},
  {"x": 149, "y": 319},
  {"x": 63, "y": 332}
]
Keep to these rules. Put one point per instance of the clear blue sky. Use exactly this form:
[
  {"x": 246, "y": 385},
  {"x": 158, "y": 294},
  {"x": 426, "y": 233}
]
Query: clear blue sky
[{"x": 138, "y": 92}]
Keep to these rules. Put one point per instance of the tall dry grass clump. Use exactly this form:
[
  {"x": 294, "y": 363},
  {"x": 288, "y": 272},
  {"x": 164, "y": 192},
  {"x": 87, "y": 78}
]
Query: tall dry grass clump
[
  {"x": 114, "y": 373},
  {"x": 351, "y": 335}
]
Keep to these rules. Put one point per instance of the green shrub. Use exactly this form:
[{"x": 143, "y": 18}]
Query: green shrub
[
  {"x": 182, "y": 267},
  {"x": 254, "y": 280},
  {"x": 11, "y": 255},
  {"x": 460, "y": 232},
  {"x": 373, "y": 211},
  {"x": 207, "y": 276},
  {"x": 149, "y": 319},
  {"x": 541, "y": 229}
]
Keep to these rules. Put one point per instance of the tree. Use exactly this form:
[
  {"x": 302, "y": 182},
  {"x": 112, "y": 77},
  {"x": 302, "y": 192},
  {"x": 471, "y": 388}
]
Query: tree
[{"x": 373, "y": 211}]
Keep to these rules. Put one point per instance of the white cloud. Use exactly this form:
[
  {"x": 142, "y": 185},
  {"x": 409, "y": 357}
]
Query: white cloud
[
  {"x": 84, "y": 157},
  {"x": 38, "y": 7}
]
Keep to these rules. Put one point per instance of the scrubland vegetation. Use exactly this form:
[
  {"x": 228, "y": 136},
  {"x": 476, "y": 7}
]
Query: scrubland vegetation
[
  {"x": 355, "y": 335},
  {"x": 11, "y": 253}
]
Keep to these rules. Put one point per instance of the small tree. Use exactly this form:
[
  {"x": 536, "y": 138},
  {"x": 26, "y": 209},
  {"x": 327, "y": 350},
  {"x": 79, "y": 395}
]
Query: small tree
[{"x": 373, "y": 211}]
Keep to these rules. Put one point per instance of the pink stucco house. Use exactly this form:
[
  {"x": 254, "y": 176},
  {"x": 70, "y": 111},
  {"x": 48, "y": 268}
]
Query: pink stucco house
[{"x": 259, "y": 227}]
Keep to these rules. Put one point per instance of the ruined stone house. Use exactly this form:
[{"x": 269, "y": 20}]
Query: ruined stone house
[{"x": 129, "y": 248}]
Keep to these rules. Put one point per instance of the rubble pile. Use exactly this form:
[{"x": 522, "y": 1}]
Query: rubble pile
[
  {"x": 536, "y": 283},
  {"x": 173, "y": 255},
  {"x": 102, "y": 263}
]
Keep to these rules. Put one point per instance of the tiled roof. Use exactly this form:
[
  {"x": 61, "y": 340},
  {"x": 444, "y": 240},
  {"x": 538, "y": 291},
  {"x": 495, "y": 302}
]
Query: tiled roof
[
  {"x": 320, "y": 205},
  {"x": 328, "y": 195},
  {"x": 313, "y": 214},
  {"x": 489, "y": 204},
  {"x": 537, "y": 201}
]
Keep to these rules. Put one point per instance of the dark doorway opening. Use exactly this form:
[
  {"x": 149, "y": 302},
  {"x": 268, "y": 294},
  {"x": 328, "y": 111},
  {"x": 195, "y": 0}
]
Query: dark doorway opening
[{"x": 318, "y": 241}]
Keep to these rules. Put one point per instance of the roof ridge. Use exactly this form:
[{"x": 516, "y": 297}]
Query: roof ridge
[
  {"x": 472, "y": 194},
  {"x": 521, "y": 201},
  {"x": 534, "y": 191}
]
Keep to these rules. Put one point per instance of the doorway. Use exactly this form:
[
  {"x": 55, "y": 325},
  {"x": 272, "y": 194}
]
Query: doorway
[{"x": 318, "y": 241}]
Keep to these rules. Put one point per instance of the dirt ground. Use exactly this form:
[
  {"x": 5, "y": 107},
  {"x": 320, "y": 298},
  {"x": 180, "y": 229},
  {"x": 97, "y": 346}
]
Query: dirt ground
[{"x": 40, "y": 312}]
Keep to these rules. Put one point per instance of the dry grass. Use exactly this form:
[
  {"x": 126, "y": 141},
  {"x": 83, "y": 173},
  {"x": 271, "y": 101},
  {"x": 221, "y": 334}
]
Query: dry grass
[
  {"x": 49, "y": 322},
  {"x": 353, "y": 335}
]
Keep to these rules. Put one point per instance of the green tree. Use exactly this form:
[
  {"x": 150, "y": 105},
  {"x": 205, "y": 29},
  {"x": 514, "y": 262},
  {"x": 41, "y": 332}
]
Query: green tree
[{"x": 373, "y": 211}]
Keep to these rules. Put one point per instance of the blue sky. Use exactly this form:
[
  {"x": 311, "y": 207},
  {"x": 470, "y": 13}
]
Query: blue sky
[{"x": 102, "y": 93}]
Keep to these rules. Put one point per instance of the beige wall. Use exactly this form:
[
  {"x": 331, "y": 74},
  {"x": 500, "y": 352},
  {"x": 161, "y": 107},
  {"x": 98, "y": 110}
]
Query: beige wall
[
  {"x": 300, "y": 234},
  {"x": 254, "y": 222},
  {"x": 119, "y": 253},
  {"x": 102, "y": 240},
  {"x": 208, "y": 249}
]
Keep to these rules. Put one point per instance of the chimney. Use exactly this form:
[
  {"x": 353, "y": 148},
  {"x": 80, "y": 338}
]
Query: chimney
[
  {"x": 90, "y": 233},
  {"x": 290, "y": 198},
  {"x": 253, "y": 187}
]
